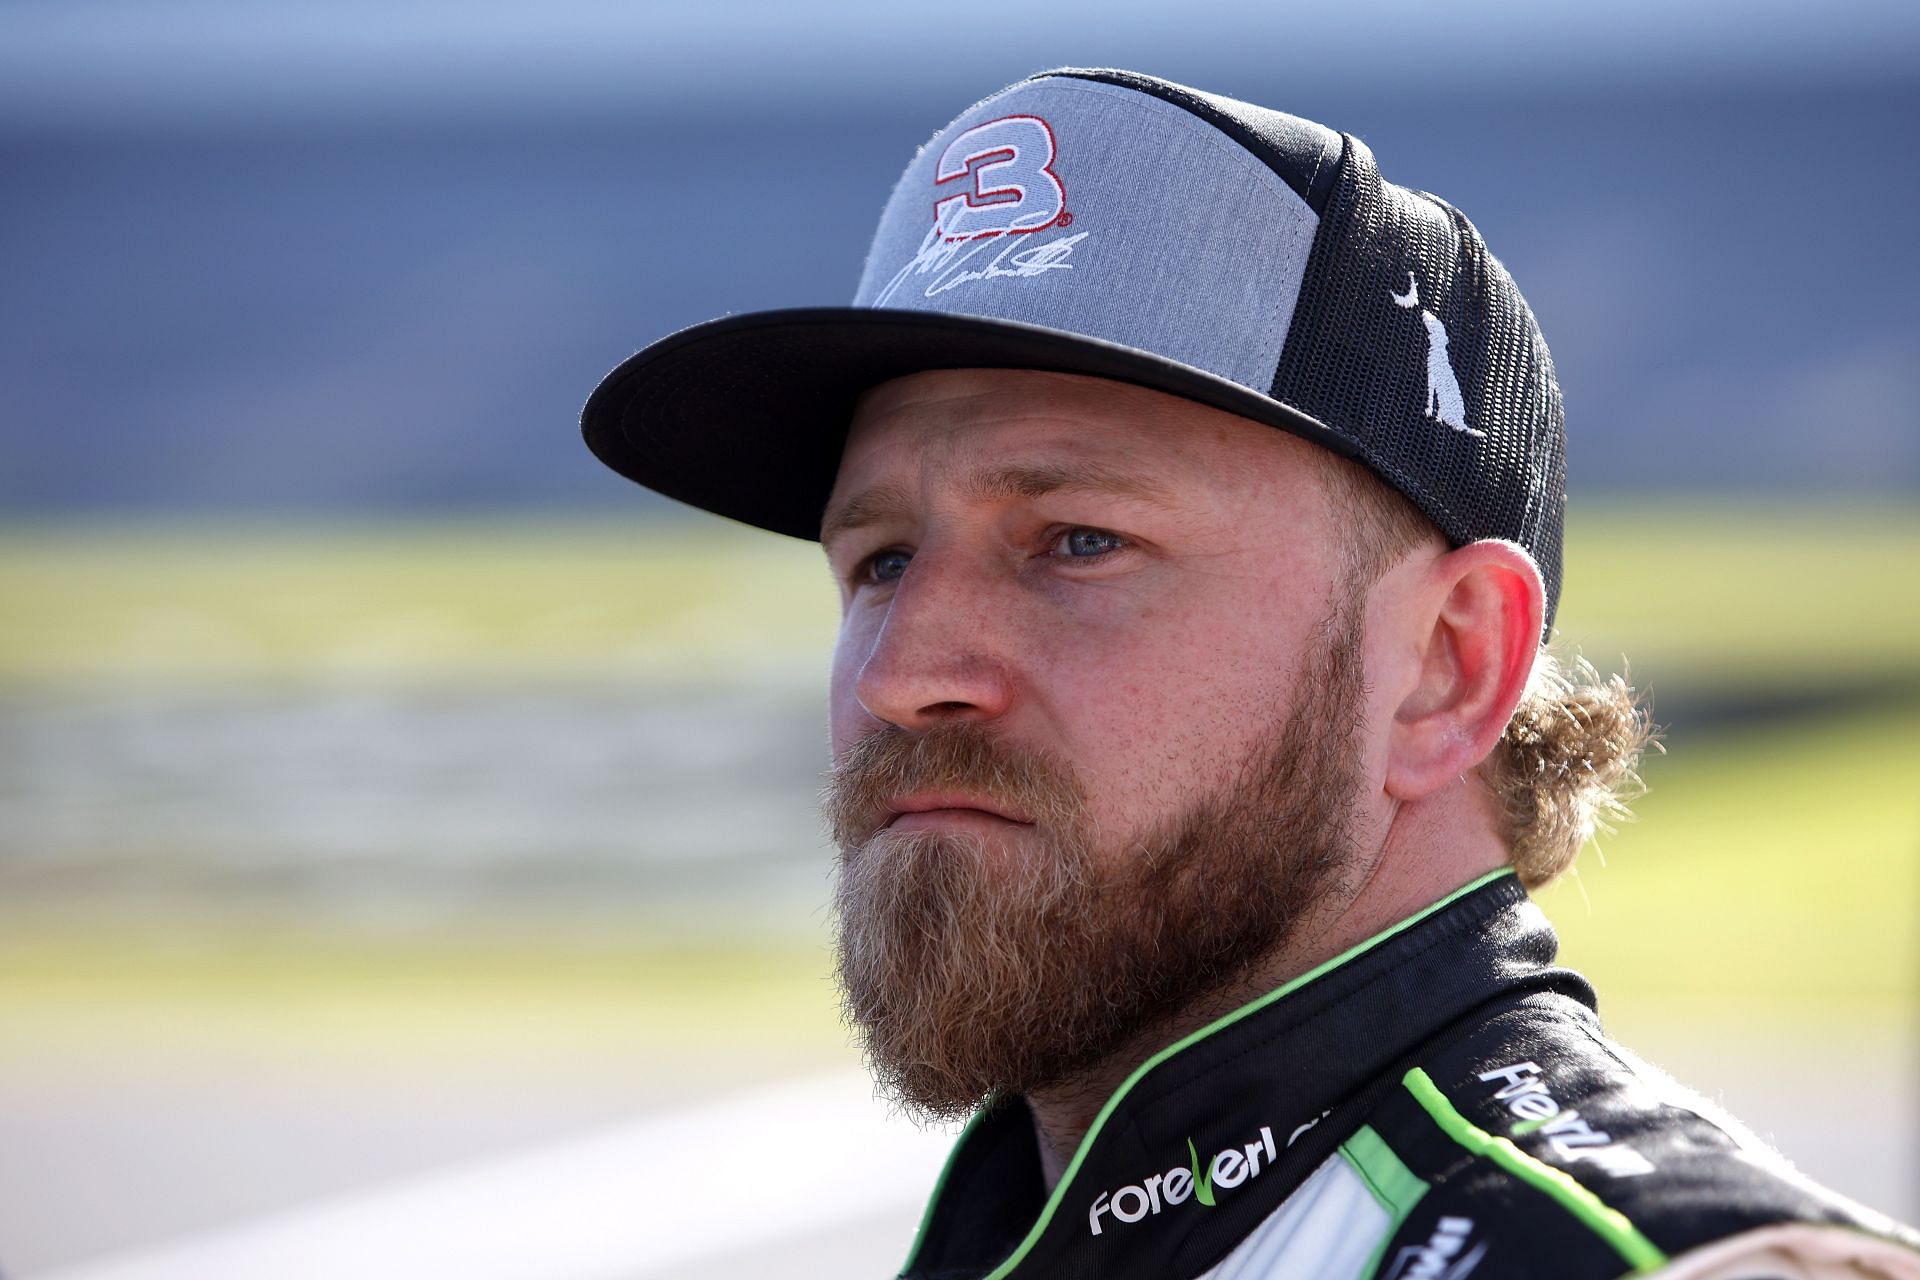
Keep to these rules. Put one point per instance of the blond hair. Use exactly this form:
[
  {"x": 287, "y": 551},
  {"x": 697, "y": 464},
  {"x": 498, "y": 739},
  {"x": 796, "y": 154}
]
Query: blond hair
[{"x": 1567, "y": 762}]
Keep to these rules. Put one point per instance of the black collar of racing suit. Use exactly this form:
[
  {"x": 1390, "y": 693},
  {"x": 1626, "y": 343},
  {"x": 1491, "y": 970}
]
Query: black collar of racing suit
[{"x": 1280, "y": 1083}]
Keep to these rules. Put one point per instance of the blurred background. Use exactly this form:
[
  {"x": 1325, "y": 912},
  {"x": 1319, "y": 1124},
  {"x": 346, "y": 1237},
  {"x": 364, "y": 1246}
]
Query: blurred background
[{"x": 407, "y": 848}]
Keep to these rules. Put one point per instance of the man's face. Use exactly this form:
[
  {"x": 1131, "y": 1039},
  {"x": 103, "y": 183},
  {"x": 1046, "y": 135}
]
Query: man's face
[{"x": 1093, "y": 710}]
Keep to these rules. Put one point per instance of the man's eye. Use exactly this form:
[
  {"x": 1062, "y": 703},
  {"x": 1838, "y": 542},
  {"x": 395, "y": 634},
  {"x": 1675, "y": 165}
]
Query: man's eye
[
  {"x": 1087, "y": 544},
  {"x": 887, "y": 566}
]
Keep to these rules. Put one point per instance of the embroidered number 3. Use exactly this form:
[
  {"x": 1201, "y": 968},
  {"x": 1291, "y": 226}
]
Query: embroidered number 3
[{"x": 1013, "y": 189}]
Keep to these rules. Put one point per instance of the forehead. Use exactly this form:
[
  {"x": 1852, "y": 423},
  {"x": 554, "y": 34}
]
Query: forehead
[{"x": 999, "y": 431}]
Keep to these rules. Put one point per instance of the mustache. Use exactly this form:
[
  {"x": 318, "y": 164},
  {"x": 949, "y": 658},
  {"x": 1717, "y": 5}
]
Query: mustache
[{"x": 962, "y": 756}]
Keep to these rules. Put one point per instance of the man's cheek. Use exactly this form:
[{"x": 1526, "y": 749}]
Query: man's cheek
[{"x": 846, "y": 717}]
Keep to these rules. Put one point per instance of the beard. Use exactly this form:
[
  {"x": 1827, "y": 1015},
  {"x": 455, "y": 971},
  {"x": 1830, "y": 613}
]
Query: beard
[{"x": 969, "y": 975}]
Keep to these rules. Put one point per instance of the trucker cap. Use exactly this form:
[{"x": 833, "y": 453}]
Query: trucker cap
[{"x": 1114, "y": 224}]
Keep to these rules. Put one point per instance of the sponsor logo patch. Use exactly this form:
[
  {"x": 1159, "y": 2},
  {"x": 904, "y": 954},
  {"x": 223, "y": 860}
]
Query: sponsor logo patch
[
  {"x": 997, "y": 179},
  {"x": 1443, "y": 403},
  {"x": 1195, "y": 1180},
  {"x": 1444, "y": 1256},
  {"x": 994, "y": 187},
  {"x": 1568, "y": 1136}
]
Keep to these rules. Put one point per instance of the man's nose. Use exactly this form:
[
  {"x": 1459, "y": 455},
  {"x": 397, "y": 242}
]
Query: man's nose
[{"x": 940, "y": 653}]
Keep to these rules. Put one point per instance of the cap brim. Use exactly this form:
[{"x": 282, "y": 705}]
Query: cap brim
[{"x": 746, "y": 416}]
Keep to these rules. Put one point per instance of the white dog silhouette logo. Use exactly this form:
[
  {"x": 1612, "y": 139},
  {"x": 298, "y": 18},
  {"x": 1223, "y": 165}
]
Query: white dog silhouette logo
[{"x": 1443, "y": 402}]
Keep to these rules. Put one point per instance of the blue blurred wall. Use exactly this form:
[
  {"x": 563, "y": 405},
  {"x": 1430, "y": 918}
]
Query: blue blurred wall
[{"x": 244, "y": 307}]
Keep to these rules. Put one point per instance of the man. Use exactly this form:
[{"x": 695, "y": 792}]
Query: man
[{"x": 1195, "y": 499}]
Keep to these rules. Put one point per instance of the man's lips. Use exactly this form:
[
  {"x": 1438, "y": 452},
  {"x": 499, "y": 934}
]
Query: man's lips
[{"x": 950, "y": 802}]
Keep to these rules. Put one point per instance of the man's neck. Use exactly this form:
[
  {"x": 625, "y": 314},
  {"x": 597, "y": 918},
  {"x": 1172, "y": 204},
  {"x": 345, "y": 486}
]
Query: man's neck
[
  {"x": 1062, "y": 1115},
  {"x": 1392, "y": 890}
]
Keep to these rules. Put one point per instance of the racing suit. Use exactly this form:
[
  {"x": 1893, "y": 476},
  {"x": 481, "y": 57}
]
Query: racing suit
[{"x": 1438, "y": 1102}]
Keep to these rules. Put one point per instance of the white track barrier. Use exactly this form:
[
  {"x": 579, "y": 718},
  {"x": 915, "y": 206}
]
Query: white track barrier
[{"x": 662, "y": 1192}]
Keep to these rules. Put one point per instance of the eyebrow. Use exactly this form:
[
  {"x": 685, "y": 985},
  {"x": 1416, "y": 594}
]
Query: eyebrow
[{"x": 1029, "y": 480}]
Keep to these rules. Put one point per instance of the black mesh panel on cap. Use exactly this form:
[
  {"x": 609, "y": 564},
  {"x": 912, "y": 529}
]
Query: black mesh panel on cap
[{"x": 1397, "y": 277}]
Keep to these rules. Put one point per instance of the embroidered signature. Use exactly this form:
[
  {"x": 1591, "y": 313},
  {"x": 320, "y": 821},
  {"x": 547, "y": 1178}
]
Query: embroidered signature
[{"x": 946, "y": 262}]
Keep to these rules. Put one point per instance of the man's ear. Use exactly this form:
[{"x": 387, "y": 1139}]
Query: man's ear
[{"x": 1477, "y": 620}]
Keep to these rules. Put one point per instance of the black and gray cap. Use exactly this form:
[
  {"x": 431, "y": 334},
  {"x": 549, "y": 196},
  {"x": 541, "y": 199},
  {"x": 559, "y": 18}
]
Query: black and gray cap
[{"x": 1113, "y": 224}]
